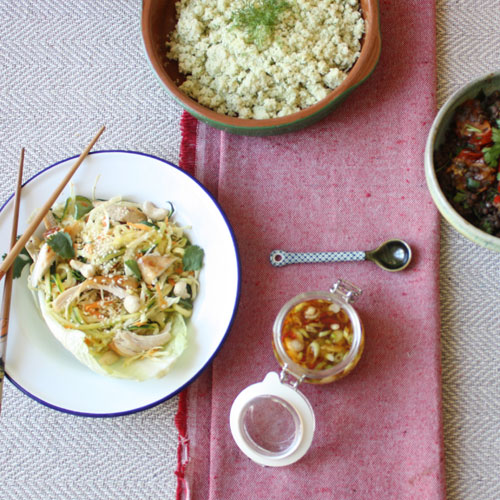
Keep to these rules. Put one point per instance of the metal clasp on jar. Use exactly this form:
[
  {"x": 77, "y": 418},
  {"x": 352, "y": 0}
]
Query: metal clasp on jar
[
  {"x": 346, "y": 291},
  {"x": 286, "y": 375}
]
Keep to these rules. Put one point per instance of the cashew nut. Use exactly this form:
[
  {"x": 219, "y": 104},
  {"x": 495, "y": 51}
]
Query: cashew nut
[
  {"x": 131, "y": 303},
  {"x": 87, "y": 270},
  {"x": 180, "y": 290},
  {"x": 154, "y": 212}
]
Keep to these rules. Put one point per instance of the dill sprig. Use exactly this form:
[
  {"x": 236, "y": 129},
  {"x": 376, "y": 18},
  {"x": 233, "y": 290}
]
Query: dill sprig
[{"x": 259, "y": 18}]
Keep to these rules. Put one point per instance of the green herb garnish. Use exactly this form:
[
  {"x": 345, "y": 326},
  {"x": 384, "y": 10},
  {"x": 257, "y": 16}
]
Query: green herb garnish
[
  {"x": 492, "y": 153},
  {"x": 62, "y": 244},
  {"x": 193, "y": 258},
  {"x": 77, "y": 275},
  {"x": 459, "y": 197},
  {"x": 471, "y": 128},
  {"x": 132, "y": 265},
  {"x": 473, "y": 183},
  {"x": 487, "y": 226},
  {"x": 259, "y": 18},
  {"x": 22, "y": 260},
  {"x": 82, "y": 206}
]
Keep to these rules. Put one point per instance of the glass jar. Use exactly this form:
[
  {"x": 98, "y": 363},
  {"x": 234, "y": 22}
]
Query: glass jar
[
  {"x": 341, "y": 295},
  {"x": 272, "y": 422}
]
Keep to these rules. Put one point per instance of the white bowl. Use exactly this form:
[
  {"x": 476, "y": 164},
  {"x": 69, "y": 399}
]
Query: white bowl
[{"x": 487, "y": 84}]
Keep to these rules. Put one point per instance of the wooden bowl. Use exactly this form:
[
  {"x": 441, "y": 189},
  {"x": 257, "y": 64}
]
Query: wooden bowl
[{"x": 159, "y": 20}]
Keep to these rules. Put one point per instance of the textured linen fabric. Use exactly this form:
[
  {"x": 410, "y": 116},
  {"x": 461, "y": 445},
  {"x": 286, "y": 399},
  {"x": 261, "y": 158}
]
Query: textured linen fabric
[
  {"x": 348, "y": 183},
  {"x": 469, "y": 42},
  {"x": 69, "y": 66}
]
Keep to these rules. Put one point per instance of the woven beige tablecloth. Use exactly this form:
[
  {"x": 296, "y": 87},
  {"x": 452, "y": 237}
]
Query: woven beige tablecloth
[{"x": 66, "y": 67}]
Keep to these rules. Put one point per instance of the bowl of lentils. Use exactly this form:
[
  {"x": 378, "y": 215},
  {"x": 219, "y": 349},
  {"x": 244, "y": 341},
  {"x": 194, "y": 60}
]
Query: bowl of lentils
[
  {"x": 462, "y": 161},
  {"x": 261, "y": 67}
]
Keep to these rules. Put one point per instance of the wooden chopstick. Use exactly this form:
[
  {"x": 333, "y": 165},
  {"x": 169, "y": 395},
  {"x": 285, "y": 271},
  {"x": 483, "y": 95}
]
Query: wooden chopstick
[
  {"x": 7, "y": 285},
  {"x": 14, "y": 252}
]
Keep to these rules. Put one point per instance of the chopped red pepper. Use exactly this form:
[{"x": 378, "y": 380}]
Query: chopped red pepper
[
  {"x": 467, "y": 155},
  {"x": 484, "y": 136},
  {"x": 496, "y": 200}
]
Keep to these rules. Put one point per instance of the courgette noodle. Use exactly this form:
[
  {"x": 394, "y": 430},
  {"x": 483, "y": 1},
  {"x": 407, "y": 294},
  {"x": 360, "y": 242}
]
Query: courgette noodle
[{"x": 125, "y": 280}]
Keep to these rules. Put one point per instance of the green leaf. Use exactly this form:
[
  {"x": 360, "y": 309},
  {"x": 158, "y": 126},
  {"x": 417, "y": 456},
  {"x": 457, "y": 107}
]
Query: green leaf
[
  {"x": 495, "y": 134},
  {"x": 459, "y": 197},
  {"x": 62, "y": 244},
  {"x": 78, "y": 275},
  {"x": 486, "y": 226},
  {"x": 22, "y": 260},
  {"x": 82, "y": 206},
  {"x": 473, "y": 183},
  {"x": 132, "y": 265},
  {"x": 492, "y": 153},
  {"x": 193, "y": 258}
]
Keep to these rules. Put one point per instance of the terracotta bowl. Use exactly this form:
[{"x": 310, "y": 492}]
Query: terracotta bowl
[
  {"x": 486, "y": 84},
  {"x": 159, "y": 19}
]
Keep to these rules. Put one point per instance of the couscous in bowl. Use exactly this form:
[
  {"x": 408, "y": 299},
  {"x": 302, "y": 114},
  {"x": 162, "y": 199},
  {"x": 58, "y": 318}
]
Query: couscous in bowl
[{"x": 159, "y": 19}]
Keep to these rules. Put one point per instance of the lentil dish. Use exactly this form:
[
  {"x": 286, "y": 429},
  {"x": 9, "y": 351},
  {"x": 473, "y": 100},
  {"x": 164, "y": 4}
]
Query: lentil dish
[{"x": 467, "y": 162}]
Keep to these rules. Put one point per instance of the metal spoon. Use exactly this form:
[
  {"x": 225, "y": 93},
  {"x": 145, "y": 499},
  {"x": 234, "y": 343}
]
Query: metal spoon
[{"x": 392, "y": 255}]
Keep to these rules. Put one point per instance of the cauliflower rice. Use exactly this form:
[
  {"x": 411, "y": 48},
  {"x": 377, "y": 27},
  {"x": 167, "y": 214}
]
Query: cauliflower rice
[{"x": 309, "y": 53}]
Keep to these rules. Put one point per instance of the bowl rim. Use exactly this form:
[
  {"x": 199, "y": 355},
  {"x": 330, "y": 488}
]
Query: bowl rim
[
  {"x": 360, "y": 71},
  {"x": 463, "y": 226}
]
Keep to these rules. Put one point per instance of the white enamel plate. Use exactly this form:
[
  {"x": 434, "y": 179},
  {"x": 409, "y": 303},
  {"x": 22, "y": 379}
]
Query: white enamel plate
[{"x": 35, "y": 361}]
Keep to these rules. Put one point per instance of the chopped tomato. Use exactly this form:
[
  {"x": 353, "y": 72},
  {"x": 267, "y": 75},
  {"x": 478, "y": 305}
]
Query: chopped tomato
[{"x": 468, "y": 155}]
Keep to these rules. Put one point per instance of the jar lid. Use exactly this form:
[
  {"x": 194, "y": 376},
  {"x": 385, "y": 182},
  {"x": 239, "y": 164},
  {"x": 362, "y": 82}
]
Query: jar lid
[{"x": 272, "y": 422}]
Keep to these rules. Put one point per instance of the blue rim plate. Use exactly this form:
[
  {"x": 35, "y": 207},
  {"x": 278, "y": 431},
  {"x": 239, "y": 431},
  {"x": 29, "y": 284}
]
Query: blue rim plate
[{"x": 35, "y": 361}]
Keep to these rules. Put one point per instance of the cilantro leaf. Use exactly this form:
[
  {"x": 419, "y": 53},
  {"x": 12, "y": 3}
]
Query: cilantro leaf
[
  {"x": 492, "y": 153},
  {"x": 62, "y": 244},
  {"x": 495, "y": 134},
  {"x": 193, "y": 258},
  {"x": 77, "y": 275},
  {"x": 22, "y": 260},
  {"x": 132, "y": 265}
]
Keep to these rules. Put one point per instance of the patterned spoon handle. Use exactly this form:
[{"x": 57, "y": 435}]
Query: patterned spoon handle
[{"x": 281, "y": 258}]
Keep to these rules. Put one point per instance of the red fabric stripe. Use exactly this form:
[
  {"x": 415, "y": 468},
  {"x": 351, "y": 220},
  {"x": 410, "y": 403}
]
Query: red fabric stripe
[
  {"x": 187, "y": 161},
  {"x": 187, "y": 154}
]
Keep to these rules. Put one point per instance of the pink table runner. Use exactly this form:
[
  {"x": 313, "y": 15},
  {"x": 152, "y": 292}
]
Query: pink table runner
[{"x": 348, "y": 183}]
